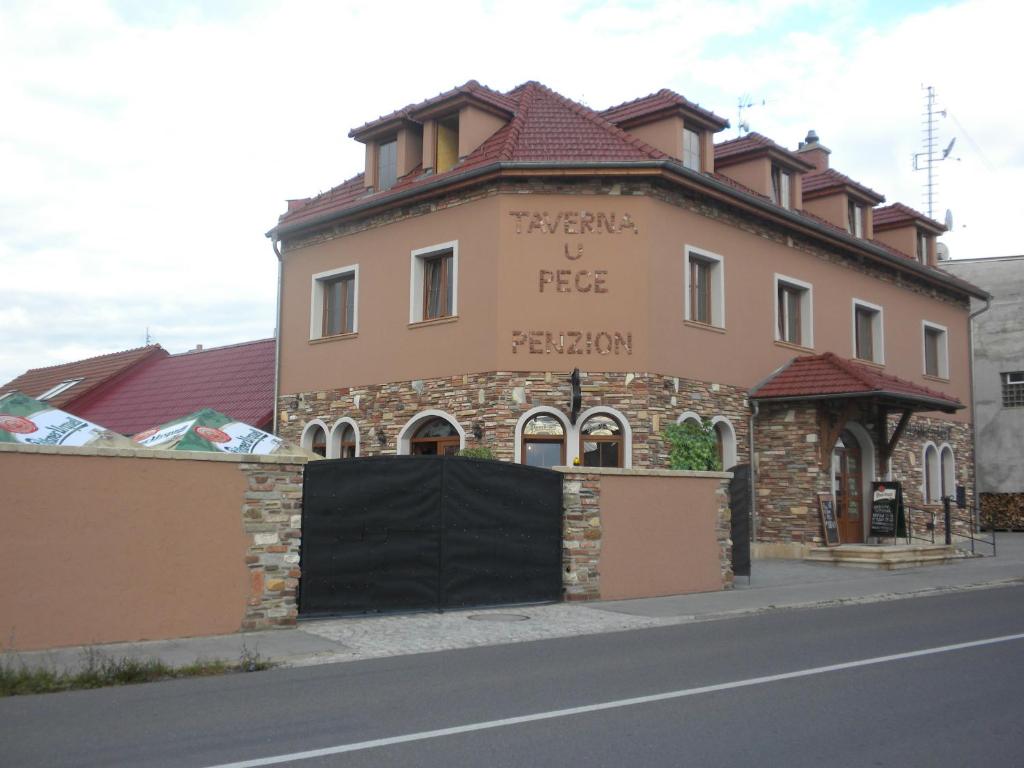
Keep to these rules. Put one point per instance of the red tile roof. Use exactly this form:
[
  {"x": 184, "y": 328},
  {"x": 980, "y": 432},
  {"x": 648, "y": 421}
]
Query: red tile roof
[
  {"x": 820, "y": 183},
  {"x": 93, "y": 371},
  {"x": 237, "y": 380},
  {"x": 756, "y": 143},
  {"x": 663, "y": 100},
  {"x": 898, "y": 215},
  {"x": 828, "y": 375},
  {"x": 547, "y": 127}
]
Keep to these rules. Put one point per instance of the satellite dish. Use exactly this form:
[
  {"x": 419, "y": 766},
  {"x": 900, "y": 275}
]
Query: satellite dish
[
  {"x": 942, "y": 251},
  {"x": 949, "y": 220}
]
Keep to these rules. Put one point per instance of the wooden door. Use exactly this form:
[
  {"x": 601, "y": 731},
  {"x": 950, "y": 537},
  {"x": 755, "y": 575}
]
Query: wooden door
[{"x": 848, "y": 484}]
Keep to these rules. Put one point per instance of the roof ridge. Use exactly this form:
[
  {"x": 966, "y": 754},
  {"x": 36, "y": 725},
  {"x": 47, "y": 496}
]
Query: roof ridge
[
  {"x": 515, "y": 125},
  {"x": 223, "y": 346},
  {"x": 150, "y": 347},
  {"x": 601, "y": 122}
]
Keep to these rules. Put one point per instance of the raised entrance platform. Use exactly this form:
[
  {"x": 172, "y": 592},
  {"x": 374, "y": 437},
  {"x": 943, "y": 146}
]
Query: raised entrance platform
[{"x": 884, "y": 557}]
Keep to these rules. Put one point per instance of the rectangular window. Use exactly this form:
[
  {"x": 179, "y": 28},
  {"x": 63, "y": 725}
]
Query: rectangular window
[
  {"x": 922, "y": 247},
  {"x": 1013, "y": 389},
  {"x": 387, "y": 165},
  {"x": 704, "y": 288},
  {"x": 855, "y": 219},
  {"x": 433, "y": 287},
  {"x": 64, "y": 386},
  {"x": 447, "y": 143},
  {"x": 936, "y": 353},
  {"x": 781, "y": 185},
  {"x": 793, "y": 311},
  {"x": 691, "y": 149},
  {"x": 867, "y": 332},
  {"x": 335, "y": 303}
]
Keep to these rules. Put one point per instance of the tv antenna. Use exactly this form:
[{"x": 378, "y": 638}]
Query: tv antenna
[
  {"x": 927, "y": 160},
  {"x": 745, "y": 102}
]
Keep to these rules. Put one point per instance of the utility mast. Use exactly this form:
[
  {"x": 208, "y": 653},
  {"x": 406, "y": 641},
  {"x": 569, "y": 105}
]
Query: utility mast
[{"x": 927, "y": 160}]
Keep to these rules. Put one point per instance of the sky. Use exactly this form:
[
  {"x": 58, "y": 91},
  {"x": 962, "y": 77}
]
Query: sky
[{"x": 147, "y": 147}]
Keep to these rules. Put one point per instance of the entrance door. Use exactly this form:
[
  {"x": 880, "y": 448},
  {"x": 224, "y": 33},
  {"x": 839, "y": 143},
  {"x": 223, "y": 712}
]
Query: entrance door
[{"x": 846, "y": 484}]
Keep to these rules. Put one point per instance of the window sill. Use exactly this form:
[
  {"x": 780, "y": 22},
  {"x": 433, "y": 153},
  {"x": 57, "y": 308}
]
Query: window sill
[
  {"x": 794, "y": 347},
  {"x": 939, "y": 379},
  {"x": 336, "y": 337},
  {"x": 872, "y": 363},
  {"x": 704, "y": 326},
  {"x": 434, "y": 321}
]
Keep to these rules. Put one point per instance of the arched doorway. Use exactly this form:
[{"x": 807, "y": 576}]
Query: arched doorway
[
  {"x": 848, "y": 487},
  {"x": 435, "y": 437}
]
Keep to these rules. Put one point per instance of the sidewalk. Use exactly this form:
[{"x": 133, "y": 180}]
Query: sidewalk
[{"x": 775, "y": 584}]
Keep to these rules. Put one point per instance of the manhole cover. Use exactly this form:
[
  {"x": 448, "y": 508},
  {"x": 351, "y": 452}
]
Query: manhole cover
[{"x": 505, "y": 617}]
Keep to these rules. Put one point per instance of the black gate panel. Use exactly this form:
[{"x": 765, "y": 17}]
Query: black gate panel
[
  {"x": 741, "y": 504},
  {"x": 502, "y": 534},
  {"x": 428, "y": 532}
]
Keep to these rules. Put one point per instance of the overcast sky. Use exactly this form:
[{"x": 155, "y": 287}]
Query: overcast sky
[{"x": 146, "y": 147}]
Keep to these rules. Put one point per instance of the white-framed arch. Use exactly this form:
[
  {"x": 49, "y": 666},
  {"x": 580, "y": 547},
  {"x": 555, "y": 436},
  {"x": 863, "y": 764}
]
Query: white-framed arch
[
  {"x": 572, "y": 449},
  {"x": 334, "y": 441},
  {"x": 562, "y": 419},
  {"x": 947, "y": 470},
  {"x": 931, "y": 488},
  {"x": 306, "y": 440},
  {"x": 868, "y": 470},
  {"x": 727, "y": 437},
  {"x": 686, "y": 416},
  {"x": 404, "y": 444}
]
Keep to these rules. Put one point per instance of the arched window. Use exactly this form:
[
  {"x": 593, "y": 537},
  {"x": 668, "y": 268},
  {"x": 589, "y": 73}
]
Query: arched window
[
  {"x": 601, "y": 443},
  {"x": 314, "y": 439},
  {"x": 932, "y": 477},
  {"x": 947, "y": 470},
  {"x": 435, "y": 437},
  {"x": 543, "y": 441},
  {"x": 725, "y": 441},
  {"x": 346, "y": 441}
]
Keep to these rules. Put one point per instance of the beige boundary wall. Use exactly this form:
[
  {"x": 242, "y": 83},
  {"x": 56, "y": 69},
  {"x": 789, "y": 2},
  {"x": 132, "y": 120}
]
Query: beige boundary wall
[
  {"x": 645, "y": 532},
  {"x": 106, "y": 545}
]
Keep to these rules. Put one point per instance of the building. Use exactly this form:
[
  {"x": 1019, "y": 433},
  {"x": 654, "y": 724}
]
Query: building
[
  {"x": 130, "y": 391},
  {"x": 495, "y": 242},
  {"x": 998, "y": 332}
]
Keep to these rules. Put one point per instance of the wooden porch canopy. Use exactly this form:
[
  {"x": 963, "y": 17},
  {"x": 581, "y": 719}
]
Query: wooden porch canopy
[{"x": 842, "y": 388}]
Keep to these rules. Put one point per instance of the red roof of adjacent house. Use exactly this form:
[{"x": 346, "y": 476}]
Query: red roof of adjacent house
[
  {"x": 753, "y": 143},
  {"x": 820, "y": 183},
  {"x": 828, "y": 375},
  {"x": 92, "y": 371},
  {"x": 663, "y": 100},
  {"x": 237, "y": 380},
  {"x": 898, "y": 214}
]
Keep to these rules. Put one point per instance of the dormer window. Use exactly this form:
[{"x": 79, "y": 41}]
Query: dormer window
[
  {"x": 691, "y": 149},
  {"x": 782, "y": 182},
  {"x": 855, "y": 219},
  {"x": 387, "y": 165},
  {"x": 447, "y": 143}
]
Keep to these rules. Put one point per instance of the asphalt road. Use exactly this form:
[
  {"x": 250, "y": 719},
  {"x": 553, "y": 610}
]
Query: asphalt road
[{"x": 955, "y": 707}]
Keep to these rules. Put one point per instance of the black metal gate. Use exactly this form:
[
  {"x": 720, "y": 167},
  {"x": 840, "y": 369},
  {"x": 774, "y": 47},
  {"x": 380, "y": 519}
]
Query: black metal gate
[
  {"x": 740, "y": 502},
  {"x": 406, "y": 533}
]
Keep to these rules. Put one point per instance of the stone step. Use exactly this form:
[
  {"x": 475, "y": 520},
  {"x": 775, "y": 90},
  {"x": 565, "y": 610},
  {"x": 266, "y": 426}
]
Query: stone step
[{"x": 884, "y": 557}]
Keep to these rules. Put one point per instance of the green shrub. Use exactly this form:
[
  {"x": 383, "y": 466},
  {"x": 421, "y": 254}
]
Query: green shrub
[
  {"x": 692, "y": 446},
  {"x": 480, "y": 452}
]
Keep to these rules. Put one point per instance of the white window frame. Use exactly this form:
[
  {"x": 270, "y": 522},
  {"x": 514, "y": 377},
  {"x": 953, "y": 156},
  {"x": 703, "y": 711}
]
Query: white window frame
[
  {"x": 416, "y": 259},
  {"x": 689, "y": 152},
  {"x": 316, "y": 303},
  {"x": 858, "y": 218},
  {"x": 334, "y": 437},
  {"x": 404, "y": 442},
  {"x": 717, "y": 285},
  {"x": 877, "y": 331},
  {"x": 727, "y": 438},
  {"x": 947, "y": 470},
  {"x": 931, "y": 474},
  {"x": 784, "y": 189},
  {"x": 572, "y": 450},
  {"x": 306, "y": 440},
  {"x": 806, "y": 310},
  {"x": 943, "y": 349},
  {"x": 57, "y": 389}
]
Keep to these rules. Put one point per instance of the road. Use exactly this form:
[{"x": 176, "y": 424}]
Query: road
[{"x": 861, "y": 685}]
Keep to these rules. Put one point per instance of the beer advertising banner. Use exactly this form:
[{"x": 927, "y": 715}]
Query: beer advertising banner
[
  {"x": 210, "y": 430},
  {"x": 32, "y": 422}
]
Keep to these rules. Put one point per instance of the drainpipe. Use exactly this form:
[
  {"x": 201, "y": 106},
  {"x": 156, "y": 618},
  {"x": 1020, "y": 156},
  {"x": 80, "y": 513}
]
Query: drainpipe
[
  {"x": 277, "y": 334},
  {"x": 753, "y": 481},
  {"x": 975, "y": 513}
]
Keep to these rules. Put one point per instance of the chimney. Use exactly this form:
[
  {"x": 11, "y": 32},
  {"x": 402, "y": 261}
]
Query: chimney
[
  {"x": 199, "y": 348},
  {"x": 813, "y": 151}
]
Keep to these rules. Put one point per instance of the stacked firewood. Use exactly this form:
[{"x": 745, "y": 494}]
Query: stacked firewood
[{"x": 1002, "y": 511}]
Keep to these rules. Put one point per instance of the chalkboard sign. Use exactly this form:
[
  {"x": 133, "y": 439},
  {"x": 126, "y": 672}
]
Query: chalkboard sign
[
  {"x": 887, "y": 517},
  {"x": 828, "y": 519}
]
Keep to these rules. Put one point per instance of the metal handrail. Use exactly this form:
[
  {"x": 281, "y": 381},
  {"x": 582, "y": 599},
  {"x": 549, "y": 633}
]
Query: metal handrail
[{"x": 970, "y": 519}]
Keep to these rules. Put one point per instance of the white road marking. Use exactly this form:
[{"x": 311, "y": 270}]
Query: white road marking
[{"x": 571, "y": 711}]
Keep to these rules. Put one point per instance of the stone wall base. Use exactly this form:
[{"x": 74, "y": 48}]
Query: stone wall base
[{"x": 772, "y": 550}]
